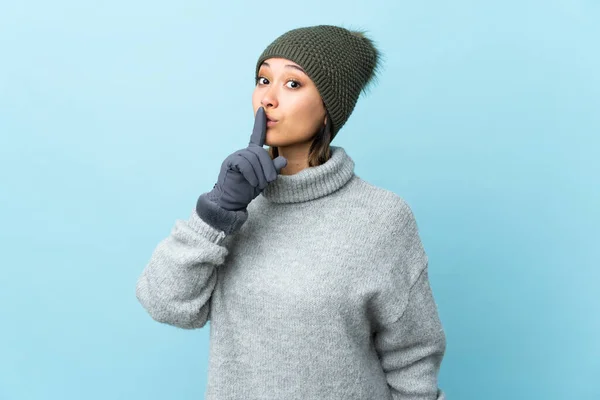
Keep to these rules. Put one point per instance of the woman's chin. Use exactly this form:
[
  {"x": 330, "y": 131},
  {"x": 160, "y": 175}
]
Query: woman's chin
[
  {"x": 273, "y": 139},
  {"x": 269, "y": 139}
]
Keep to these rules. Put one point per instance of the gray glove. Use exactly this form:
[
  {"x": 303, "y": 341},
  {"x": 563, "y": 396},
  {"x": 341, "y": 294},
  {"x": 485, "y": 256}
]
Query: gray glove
[{"x": 244, "y": 175}]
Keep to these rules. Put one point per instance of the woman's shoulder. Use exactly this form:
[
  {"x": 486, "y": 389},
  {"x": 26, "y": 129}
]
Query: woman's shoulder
[{"x": 379, "y": 199}]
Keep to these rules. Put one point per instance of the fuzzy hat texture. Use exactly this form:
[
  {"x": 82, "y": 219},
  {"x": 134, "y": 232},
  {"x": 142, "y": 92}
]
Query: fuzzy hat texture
[{"x": 339, "y": 61}]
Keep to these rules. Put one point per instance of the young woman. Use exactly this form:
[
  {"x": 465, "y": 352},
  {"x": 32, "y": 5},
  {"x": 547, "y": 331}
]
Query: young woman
[{"x": 315, "y": 281}]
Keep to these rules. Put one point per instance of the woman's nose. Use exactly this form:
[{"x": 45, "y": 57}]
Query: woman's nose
[{"x": 269, "y": 99}]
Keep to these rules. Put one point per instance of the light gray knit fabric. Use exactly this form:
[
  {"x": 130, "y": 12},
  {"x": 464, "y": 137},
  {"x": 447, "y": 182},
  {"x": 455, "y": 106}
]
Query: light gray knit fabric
[{"x": 323, "y": 293}]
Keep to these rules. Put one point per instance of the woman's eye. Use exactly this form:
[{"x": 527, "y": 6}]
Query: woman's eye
[
  {"x": 261, "y": 80},
  {"x": 293, "y": 84}
]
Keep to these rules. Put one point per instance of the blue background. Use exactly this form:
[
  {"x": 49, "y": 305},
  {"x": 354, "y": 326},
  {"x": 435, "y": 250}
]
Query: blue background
[{"x": 115, "y": 116}]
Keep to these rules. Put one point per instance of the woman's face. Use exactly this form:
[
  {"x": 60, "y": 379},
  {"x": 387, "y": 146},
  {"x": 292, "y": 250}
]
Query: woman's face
[{"x": 293, "y": 105}]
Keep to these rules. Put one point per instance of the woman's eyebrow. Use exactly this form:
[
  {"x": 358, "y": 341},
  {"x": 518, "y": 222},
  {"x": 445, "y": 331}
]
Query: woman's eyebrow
[{"x": 266, "y": 64}]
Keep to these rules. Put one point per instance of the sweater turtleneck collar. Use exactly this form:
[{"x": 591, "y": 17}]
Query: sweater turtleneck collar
[{"x": 312, "y": 182}]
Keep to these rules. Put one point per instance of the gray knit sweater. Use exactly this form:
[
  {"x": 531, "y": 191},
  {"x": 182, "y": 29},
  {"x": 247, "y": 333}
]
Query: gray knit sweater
[{"x": 322, "y": 293}]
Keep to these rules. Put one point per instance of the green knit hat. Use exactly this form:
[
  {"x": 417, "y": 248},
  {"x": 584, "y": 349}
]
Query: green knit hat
[{"x": 339, "y": 61}]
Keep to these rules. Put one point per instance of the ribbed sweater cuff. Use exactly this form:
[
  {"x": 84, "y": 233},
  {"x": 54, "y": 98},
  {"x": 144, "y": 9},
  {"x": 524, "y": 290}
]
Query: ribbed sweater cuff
[{"x": 219, "y": 218}]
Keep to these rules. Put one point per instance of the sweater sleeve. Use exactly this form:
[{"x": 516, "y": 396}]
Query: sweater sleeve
[
  {"x": 411, "y": 341},
  {"x": 176, "y": 285},
  {"x": 411, "y": 349}
]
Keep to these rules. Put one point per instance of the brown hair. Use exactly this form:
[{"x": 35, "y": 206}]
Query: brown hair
[{"x": 319, "y": 151}]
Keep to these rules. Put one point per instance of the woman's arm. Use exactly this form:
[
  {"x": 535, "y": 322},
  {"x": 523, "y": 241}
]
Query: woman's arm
[
  {"x": 176, "y": 285},
  {"x": 411, "y": 349},
  {"x": 407, "y": 333}
]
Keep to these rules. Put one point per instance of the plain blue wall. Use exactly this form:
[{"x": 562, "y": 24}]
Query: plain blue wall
[{"x": 115, "y": 116}]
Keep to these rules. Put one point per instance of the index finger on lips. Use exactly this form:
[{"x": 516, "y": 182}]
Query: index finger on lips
[{"x": 260, "y": 128}]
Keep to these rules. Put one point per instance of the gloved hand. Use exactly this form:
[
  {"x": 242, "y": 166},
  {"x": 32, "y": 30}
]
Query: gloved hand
[{"x": 245, "y": 173}]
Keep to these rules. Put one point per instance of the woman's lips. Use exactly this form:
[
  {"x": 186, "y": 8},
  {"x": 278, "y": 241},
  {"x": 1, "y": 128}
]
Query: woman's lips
[{"x": 271, "y": 122}]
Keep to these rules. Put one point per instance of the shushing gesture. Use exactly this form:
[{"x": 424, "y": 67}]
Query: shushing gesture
[{"x": 245, "y": 173}]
